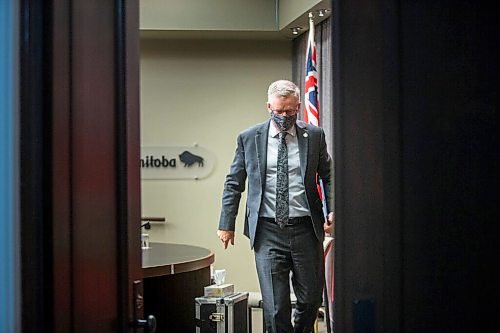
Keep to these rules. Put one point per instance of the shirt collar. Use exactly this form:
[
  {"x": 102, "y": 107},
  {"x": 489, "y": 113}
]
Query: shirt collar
[{"x": 274, "y": 130}]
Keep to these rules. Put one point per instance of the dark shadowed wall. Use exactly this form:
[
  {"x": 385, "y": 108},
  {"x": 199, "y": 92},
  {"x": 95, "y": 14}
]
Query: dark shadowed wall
[{"x": 415, "y": 124}]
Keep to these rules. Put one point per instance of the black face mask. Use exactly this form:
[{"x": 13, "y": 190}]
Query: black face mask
[{"x": 284, "y": 123}]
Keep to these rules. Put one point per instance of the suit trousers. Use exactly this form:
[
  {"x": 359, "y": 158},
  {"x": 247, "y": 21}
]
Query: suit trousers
[{"x": 279, "y": 253}]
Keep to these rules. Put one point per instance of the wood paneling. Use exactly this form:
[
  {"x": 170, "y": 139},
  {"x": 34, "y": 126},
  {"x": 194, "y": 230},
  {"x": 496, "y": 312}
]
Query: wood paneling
[
  {"x": 415, "y": 115},
  {"x": 80, "y": 160},
  {"x": 171, "y": 299}
]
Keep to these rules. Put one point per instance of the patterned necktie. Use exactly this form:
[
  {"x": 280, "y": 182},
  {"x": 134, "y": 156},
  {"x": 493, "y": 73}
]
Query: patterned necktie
[{"x": 282, "y": 182}]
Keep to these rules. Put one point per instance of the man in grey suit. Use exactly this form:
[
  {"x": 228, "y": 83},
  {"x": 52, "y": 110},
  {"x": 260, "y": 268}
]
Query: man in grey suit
[{"x": 285, "y": 221}]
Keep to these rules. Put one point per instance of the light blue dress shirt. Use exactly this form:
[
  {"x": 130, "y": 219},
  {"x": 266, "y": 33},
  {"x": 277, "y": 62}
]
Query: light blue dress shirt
[{"x": 297, "y": 193}]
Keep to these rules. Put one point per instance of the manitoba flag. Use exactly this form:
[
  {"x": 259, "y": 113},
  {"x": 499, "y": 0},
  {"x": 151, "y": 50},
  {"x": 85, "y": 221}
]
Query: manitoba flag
[{"x": 311, "y": 100}]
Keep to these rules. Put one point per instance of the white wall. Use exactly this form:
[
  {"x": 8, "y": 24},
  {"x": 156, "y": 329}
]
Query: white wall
[
  {"x": 205, "y": 92},
  {"x": 247, "y": 15}
]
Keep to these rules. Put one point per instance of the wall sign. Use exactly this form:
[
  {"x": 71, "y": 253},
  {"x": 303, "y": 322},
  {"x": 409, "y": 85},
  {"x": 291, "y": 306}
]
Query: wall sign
[{"x": 176, "y": 162}]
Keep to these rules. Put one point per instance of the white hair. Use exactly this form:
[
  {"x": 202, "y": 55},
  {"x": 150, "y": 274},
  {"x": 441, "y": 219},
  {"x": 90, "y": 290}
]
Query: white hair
[{"x": 283, "y": 88}]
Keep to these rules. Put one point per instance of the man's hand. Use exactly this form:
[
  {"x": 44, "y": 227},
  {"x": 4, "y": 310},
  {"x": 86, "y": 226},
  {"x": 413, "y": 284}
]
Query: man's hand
[
  {"x": 329, "y": 221},
  {"x": 226, "y": 236}
]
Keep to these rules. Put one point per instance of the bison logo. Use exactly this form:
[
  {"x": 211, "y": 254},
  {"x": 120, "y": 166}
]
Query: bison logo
[{"x": 189, "y": 159}]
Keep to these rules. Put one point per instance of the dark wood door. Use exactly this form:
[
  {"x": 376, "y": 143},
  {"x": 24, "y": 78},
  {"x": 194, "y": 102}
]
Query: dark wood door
[{"x": 81, "y": 178}]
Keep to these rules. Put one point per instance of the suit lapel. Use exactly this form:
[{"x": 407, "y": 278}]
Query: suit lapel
[
  {"x": 303, "y": 141},
  {"x": 261, "y": 147}
]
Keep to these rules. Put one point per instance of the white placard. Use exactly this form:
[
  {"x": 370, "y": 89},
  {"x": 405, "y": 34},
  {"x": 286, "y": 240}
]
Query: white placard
[{"x": 176, "y": 162}]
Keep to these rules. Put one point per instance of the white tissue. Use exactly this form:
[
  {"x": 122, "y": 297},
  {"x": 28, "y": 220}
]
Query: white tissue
[{"x": 219, "y": 276}]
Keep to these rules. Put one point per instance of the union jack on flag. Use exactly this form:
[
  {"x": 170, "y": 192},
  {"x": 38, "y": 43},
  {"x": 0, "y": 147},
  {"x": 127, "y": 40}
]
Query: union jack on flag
[{"x": 311, "y": 100}]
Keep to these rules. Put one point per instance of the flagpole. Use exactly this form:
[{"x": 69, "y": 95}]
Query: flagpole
[{"x": 311, "y": 116}]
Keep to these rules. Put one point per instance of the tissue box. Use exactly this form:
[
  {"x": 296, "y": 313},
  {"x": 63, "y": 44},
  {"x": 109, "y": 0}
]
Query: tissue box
[{"x": 219, "y": 291}]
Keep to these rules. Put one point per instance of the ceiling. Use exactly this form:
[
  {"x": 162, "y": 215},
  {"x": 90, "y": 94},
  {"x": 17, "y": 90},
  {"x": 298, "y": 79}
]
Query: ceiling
[{"x": 301, "y": 22}]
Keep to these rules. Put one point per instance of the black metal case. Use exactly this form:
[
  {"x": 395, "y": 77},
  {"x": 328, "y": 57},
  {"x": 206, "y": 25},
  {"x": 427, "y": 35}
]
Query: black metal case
[{"x": 222, "y": 315}]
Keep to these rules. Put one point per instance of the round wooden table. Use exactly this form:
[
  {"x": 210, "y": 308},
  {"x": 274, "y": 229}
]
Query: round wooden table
[{"x": 174, "y": 274}]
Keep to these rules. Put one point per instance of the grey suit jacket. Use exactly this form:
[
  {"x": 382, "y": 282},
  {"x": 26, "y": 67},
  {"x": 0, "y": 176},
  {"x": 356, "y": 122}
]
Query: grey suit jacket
[{"x": 250, "y": 163}]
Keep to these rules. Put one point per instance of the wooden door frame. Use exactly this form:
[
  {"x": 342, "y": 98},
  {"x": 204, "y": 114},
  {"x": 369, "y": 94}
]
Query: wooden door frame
[{"x": 57, "y": 85}]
